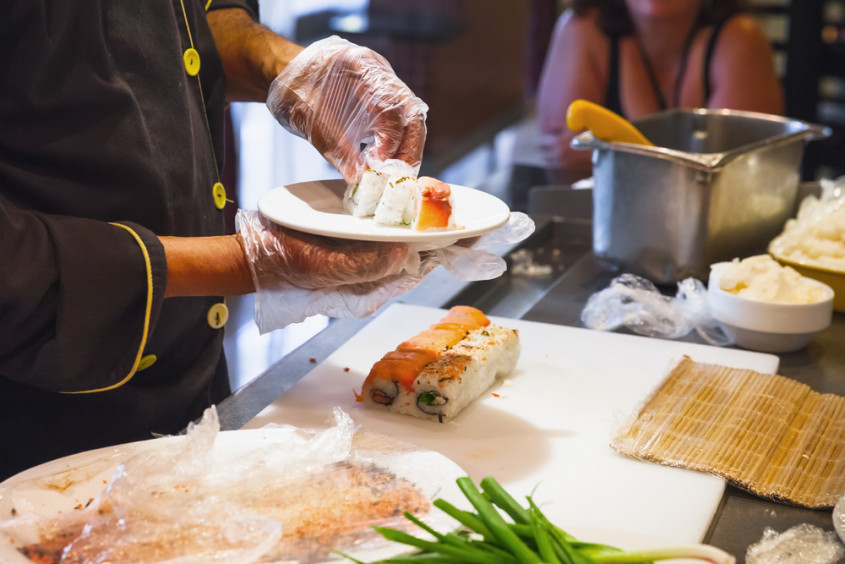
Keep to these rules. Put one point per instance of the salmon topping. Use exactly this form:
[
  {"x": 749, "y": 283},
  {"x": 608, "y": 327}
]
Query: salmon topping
[{"x": 405, "y": 363}]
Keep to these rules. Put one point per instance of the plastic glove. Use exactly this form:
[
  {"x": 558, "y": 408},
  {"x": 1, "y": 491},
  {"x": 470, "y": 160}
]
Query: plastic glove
[
  {"x": 470, "y": 260},
  {"x": 297, "y": 275},
  {"x": 340, "y": 96}
]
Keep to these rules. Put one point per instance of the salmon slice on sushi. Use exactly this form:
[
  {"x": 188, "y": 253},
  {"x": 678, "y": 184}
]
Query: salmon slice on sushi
[{"x": 433, "y": 206}]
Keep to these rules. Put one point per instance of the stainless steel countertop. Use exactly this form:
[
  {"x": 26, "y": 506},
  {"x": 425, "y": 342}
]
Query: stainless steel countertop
[{"x": 559, "y": 298}]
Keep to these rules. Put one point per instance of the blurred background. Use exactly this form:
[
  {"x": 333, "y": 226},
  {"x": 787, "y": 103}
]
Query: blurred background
[{"x": 476, "y": 64}]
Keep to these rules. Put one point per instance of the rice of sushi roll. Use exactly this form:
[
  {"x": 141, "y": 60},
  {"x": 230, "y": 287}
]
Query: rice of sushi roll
[
  {"x": 362, "y": 198},
  {"x": 396, "y": 206},
  {"x": 463, "y": 373}
]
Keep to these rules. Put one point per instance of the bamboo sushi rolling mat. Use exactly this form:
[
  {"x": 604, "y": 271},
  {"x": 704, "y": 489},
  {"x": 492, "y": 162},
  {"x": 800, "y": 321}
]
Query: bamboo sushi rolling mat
[{"x": 764, "y": 433}]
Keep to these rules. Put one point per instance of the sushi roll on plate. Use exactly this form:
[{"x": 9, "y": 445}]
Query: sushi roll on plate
[
  {"x": 396, "y": 206},
  {"x": 361, "y": 199}
]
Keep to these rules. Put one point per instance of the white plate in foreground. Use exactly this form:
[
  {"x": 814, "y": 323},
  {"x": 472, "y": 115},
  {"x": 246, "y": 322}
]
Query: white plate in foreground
[
  {"x": 61, "y": 487},
  {"x": 317, "y": 207}
]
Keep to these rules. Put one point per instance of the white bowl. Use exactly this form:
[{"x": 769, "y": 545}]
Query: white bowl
[{"x": 769, "y": 326}]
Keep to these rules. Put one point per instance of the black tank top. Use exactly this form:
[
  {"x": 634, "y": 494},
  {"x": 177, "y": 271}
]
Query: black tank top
[{"x": 612, "y": 98}]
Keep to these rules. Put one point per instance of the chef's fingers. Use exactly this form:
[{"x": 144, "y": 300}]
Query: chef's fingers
[
  {"x": 278, "y": 255},
  {"x": 318, "y": 261},
  {"x": 398, "y": 283},
  {"x": 339, "y": 150},
  {"x": 400, "y": 134},
  {"x": 342, "y": 97}
]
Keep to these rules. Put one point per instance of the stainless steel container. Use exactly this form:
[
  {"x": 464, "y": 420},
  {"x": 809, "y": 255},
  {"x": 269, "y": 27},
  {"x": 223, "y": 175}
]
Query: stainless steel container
[{"x": 718, "y": 184}]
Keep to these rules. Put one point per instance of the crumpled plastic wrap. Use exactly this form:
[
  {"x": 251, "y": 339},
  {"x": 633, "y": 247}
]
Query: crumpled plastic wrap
[
  {"x": 297, "y": 275},
  {"x": 634, "y": 302},
  {"x": 281, "y": 494},
  {"x": 802, "y": 544}
]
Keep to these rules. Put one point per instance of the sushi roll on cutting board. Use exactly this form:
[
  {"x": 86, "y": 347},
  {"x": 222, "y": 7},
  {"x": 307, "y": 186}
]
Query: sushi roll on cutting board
[{"x": 437, "y": 373}]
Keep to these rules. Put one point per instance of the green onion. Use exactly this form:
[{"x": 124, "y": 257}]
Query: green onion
[
  {"x": 543, "y": 538},
  {"x": 503, "y": 499},
  {"x": 700, "y": 552},
  {"x": 529, "y": 538},
  {"x": 562, "y": 546},
  {"x": 466, "y": 555},
  {"x": 496, "y": 523},
  {"x": 465, "y": 518},
  {"x": 427, "y": 398}
]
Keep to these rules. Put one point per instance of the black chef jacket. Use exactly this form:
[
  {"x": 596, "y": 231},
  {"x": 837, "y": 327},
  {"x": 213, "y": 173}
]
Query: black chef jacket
[{"x": 106, "y": 140}]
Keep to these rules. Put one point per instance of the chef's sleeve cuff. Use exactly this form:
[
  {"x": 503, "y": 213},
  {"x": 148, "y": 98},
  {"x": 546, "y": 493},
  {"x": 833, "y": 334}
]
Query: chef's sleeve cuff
[
  {"x": 148, "y": 252},
  {"x": 251, "y": 6},
  {"x": 104, "y": 304}
]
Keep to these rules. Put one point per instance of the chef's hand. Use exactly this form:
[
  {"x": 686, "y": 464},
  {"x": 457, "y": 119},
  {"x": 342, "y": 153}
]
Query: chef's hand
[
  {"x": 297, "y": 275},
  {"x": 340, "y": 96}
]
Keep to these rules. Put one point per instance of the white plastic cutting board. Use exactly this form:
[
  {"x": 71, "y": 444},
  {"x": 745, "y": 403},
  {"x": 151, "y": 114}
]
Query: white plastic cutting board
[{"x": 546, "y": 428}]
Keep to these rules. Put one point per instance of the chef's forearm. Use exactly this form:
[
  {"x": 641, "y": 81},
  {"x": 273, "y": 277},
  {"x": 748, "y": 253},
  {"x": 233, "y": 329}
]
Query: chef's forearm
[
  {"x": 206, "y": 266},
  {"x": 252, "y": 54}
]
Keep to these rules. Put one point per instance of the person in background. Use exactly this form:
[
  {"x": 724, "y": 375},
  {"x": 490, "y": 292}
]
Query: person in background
[
  {"x": 637, "y": 57},
  {"x": 115, "y": 260}
]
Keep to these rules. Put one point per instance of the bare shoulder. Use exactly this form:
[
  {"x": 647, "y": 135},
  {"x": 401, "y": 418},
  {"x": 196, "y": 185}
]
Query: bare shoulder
[
  {"x": 741, "y": 31},
  {"x": 580, "y": 31},
  {"x": 743, "y": 71}
]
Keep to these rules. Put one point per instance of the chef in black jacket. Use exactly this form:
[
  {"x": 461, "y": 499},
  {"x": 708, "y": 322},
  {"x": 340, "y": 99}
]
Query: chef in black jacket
[{"x": 113, "y": 256}]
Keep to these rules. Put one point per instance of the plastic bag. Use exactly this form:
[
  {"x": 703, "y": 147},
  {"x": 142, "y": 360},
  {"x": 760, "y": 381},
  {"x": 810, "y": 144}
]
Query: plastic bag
[
  {"x": 802, "y": 544},
  {"x": 636, "y": 303},
  {"x": 352, "y": 279}
]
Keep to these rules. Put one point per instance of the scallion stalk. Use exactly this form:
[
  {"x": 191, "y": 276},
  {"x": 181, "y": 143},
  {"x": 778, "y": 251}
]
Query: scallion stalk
[
  {"x": 503, "y": 499},
  {"x": 465, "y": 518},
  {"x": 496, "y": 523},
  {"x": 530, "y": 539},
  {"x": 699, "y": 552}
]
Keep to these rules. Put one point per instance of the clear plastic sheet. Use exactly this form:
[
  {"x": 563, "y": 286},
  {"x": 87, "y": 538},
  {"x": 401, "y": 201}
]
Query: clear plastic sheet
[
  {"x": 472, "y": 259},
  {"x": 636, "y": 303},
  {"x": 283, "y": 495},
  {"x": 297, "y": 275},
  {"x": 802, "y": 544}
]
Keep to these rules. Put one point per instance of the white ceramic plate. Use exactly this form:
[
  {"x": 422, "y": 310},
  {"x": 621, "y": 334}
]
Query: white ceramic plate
[
  {"x": 317, "y": 207},
  {"x": 64, "y": 485}
]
